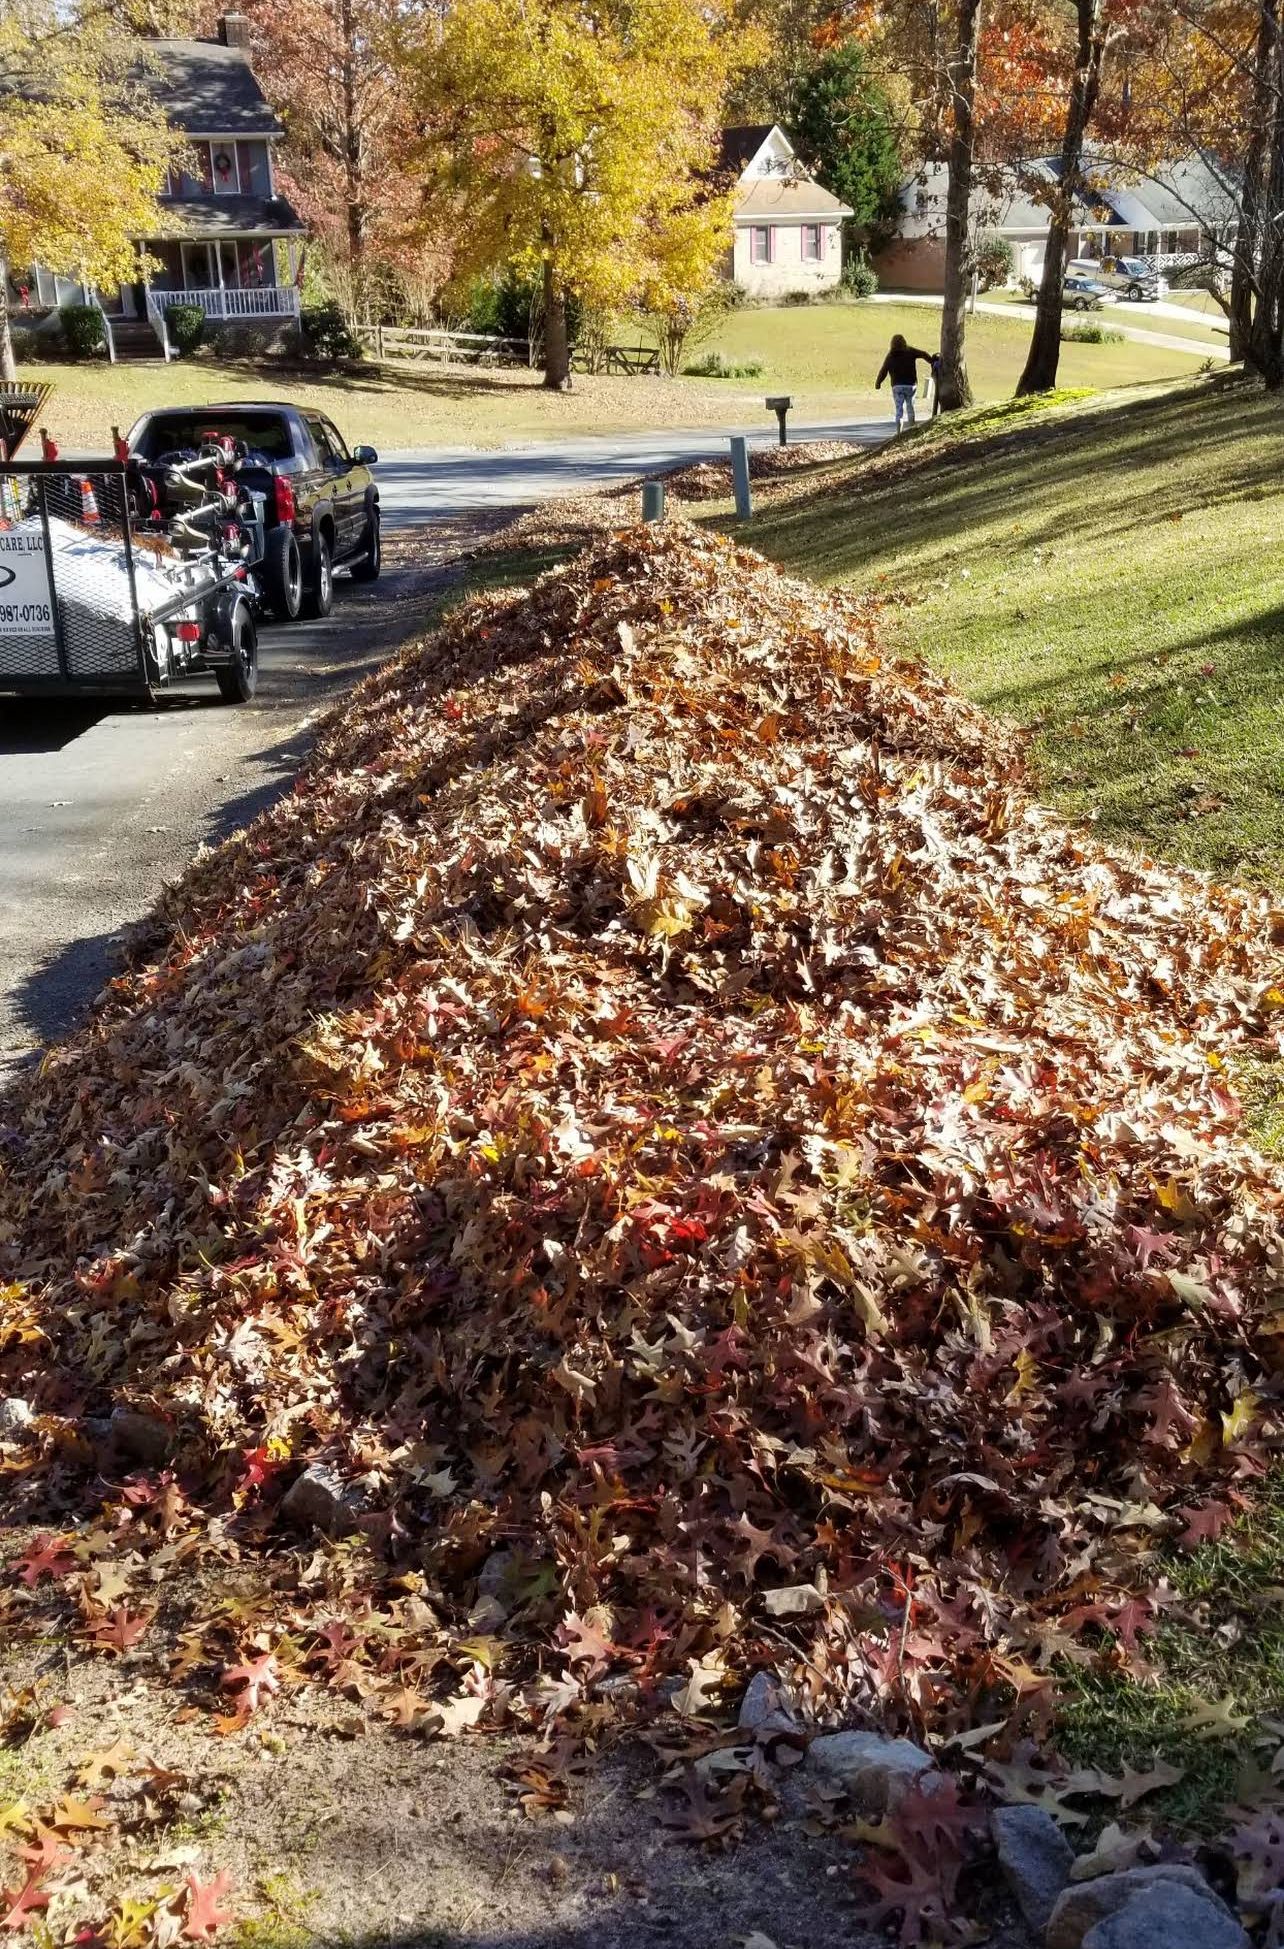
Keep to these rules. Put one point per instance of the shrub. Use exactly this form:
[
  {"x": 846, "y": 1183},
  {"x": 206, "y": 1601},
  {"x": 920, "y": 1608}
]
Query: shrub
[
  {"x": 737, "y": 297},
  {"x": 1029, "y": 289},
  {"x": 715, "y": 365},
  {"x": 1090, "y": 334},
  {"x": 327, "y": 333},
  {"x": 860, "y": 278},
  {"x": 186, "y": 327},
  {"x": 994, "y": 260},
  {"x": 797, "y": 297},
  {"x": 680, "y": 321},
  {"x": 82, "y": 328}
]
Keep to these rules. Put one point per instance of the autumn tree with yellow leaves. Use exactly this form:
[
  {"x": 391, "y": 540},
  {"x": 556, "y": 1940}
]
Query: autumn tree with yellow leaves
[
  {"x": 83, "y": 150},
  {"x": 575, "y": 142}
]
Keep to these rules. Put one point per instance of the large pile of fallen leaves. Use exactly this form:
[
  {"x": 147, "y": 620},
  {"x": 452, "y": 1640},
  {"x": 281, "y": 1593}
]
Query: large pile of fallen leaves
[{"x": 659, "y": 1109}]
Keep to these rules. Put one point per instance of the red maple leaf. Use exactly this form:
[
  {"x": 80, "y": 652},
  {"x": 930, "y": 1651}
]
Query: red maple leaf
[
  {"x": 584, "y": 1644},
  {"x": 45, "y": 1853},
  {"x": 1204, "y": 1525},
  {"x": 47, "y": 1557},
  {"x": 119, "y": 1632},
  {"x": 253, "y": 1680},
  {"x": 20, "y": 1904},
  {"x": 205, "y": 1914}
]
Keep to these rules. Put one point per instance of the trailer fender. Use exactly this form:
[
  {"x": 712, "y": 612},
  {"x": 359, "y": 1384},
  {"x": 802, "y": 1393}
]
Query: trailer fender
[{"x": 220, "y": 637}]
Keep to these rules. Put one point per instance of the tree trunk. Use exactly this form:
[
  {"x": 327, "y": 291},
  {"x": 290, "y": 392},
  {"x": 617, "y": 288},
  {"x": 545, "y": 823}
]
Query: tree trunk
[
  {"x": 1248, "y": 241},
  {"x": 354, "y": 174},
  {"x": 953, "y": 388},
  {"x": 1044, "y": 356},
  {"x": 557, "y": 350},
  {"x": 1265, "y": 347},
  {"x": 8, "y": 364}
]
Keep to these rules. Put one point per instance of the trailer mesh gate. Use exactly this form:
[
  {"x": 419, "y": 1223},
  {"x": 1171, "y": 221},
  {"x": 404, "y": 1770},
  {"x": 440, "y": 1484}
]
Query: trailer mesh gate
[{"x": 68, "y": 596}]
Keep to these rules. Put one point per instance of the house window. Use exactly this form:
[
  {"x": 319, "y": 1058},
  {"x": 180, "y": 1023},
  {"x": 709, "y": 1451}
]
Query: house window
[
  {"x": 760, "y": 244},
  {"x": 812, "y": 243},
  {"x": 252, "y": 165},
  {"x": 1171, "y": 245},
  {"x": 191, "y": 175},
  {"x": 223, "y": 157},
  {"x": 251, "y": 266}
]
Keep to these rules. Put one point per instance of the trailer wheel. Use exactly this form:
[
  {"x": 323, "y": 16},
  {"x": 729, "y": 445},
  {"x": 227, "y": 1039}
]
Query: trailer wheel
[
  {"x": 238, "y": 680},
  {"x": 283, "y": 573}
]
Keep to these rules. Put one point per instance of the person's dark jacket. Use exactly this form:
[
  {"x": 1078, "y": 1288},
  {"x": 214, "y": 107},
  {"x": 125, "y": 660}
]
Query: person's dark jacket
[{"x": 901, "y": 366}]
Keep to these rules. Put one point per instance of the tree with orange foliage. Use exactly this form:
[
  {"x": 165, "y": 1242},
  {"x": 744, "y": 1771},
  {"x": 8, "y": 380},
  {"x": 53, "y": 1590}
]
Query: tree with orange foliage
[{"x": 328, "y": 67}]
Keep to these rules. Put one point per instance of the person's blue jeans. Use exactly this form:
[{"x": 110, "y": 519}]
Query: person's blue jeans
[{"x": 904, "y": 398}]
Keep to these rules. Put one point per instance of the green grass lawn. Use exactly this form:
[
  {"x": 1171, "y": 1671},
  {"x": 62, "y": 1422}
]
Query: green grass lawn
[
  {"x": 1109, "y": 574},
  {"x": 1200, "y": 325},
  {"x": 825, "y": 356},
  {"x": 827, "y": 349}
]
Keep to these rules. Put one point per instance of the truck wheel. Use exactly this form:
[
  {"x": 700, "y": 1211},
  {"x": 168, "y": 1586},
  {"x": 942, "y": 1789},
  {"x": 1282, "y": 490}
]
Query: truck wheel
[
  {"x": 1134, "y": 294},
  {"x": 283, "y": 573},
  {"x": 370, "y": 560},
  {"x": 321, "y": 592},
  {"x": 238, "y": 680}
]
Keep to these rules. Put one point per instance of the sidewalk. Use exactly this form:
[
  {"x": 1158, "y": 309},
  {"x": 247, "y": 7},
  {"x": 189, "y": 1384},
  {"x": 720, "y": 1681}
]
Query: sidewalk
[{"x": 1114, "y": 314}]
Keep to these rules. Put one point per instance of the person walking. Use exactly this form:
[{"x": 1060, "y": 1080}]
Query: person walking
[{"x": 901, "y": 366}]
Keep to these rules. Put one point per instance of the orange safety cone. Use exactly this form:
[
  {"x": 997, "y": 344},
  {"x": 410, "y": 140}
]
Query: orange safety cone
[{"x": 89, "y": 515}]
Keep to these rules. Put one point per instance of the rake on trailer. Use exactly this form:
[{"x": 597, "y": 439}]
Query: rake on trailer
[{"x": 21, "y": 405}]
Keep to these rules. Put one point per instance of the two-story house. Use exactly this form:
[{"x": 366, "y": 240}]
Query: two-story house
[
  {"x": 225, "y": 238},
  {"x": 787, "y": 229}
]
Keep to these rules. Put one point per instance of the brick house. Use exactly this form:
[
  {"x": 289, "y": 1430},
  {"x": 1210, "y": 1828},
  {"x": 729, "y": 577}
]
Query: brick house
[
  {"x": 787, "y": 229},
  {"x": 1184, "y": 213}
]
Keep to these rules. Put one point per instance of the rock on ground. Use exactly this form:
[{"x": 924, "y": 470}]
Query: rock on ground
[
  {"x": 15, "y": 1417},
  {"x": 1167, "y": 1916},
  {"x": 1087, "y": 1904},
  {"x": 873, "y": 1770},
  {"x": 1035, "y": 1857},
  {"x": 762, "y": 1708},
  {"x": 320, "y": 1500}
]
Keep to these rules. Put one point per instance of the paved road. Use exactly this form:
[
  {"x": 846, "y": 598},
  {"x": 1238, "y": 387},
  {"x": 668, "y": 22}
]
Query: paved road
[
  {"x": 101, "y": 804},
  {"x": 420, "y": 485}
]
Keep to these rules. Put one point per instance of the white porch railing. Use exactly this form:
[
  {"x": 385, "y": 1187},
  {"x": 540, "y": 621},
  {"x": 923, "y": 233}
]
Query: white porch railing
[{"x": 259, "y": 301}]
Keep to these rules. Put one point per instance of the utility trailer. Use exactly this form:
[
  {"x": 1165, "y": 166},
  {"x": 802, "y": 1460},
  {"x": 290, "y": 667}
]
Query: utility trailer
[{"x": 101, "y": 593}]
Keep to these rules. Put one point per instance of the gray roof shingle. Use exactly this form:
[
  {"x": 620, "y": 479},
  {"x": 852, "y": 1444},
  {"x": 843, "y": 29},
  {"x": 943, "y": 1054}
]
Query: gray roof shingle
[
  {"x": 208, "y": 89},
  {"x": 229, "y": 216}
]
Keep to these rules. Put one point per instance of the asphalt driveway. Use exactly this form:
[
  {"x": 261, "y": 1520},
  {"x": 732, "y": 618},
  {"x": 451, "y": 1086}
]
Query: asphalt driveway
[{"x": 100, "y": 804}]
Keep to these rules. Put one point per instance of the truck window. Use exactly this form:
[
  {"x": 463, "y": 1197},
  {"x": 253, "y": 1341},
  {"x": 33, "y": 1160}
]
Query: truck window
[{"x": 265, "y": 433}]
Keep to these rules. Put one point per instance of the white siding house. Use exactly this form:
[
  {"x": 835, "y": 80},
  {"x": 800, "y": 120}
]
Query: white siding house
[{"x": 788, "y": 230}]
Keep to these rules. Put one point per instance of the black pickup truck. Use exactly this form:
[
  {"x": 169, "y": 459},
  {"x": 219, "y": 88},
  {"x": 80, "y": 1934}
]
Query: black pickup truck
[{"x": 320, "y": 501}]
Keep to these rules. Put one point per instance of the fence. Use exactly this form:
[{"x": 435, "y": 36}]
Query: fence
[
  {"x": 68, "y": 595},
  {"x": 421, "y": 346}
]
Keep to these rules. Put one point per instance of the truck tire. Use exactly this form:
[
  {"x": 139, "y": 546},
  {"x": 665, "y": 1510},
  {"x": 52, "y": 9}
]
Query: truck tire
[
  {"x": 1135, "y": 294},
  {"x": 238, "y": 680},
  {"x": 283, "y": 573},
  {"x": 320, "y": 598},
  {"x": 368, "y": 563}
]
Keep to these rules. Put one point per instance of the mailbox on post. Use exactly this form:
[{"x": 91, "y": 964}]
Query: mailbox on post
[{"x": 780, "y": 407}]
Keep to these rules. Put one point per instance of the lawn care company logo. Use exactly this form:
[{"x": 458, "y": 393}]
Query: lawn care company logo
[{"x": 25, "y": 607}]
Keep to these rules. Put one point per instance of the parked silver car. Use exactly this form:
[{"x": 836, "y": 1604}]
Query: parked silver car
[
  {"x": 1127, "y": 277},
  {"x": 1086, "y": 294}
]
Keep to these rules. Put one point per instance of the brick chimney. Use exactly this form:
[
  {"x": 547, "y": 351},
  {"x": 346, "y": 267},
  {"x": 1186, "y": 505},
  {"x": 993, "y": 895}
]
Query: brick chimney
[{"x": 234, "y": 30}]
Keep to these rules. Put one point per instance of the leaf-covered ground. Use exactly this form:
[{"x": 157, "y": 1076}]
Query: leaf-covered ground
[{"x": 716, "y": 1176}]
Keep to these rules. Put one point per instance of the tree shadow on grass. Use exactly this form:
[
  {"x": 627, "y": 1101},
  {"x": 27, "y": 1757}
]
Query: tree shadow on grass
[{"x": 1089, "y": 475}]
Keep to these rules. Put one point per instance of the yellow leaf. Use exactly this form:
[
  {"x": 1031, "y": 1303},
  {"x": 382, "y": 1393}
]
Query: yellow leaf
[{"x": 1241, "y": 1417}]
